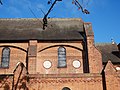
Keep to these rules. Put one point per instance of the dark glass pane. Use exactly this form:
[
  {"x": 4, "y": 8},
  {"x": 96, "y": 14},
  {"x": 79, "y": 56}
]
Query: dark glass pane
[
  {"x": 5, "y": 57},
  {"x": 62, "y": 64},
  {"x": 5, "y": 64},
  {"x": 61, "y": 49},
  {"x": 62, "y": 57},
  {"x": 62, "y": 53}
]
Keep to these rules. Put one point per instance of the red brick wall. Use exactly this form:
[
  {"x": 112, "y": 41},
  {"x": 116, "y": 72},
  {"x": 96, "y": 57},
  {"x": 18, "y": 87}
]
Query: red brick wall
[
  {"x": 94, "y": 56},
  {"x": 51, "y": 54},
  {"x": 81, "y": 82},
  {"x": 6, "y": 82},
  {"x": 37, "y": 57},
  {"x": 16, "y": 55},
  {"x": 52, "y": 82},
  {"x": 112, "y": 77},
  {"x": 32, "y": 56}
]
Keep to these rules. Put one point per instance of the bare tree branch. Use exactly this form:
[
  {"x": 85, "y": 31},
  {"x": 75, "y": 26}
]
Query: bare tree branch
[
  {"x": 76, "y": 2},
  {"x": 45, "y": 17}
]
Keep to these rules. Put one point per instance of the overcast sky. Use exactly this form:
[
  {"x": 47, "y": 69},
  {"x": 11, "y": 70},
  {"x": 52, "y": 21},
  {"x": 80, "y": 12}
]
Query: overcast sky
[{"x": 104, "y": 14}]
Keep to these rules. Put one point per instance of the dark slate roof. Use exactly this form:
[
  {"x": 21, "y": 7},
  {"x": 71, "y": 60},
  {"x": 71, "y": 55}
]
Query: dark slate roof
[
  {"x": 109, "y": 52},
  {"x": 25, "y": 29}
]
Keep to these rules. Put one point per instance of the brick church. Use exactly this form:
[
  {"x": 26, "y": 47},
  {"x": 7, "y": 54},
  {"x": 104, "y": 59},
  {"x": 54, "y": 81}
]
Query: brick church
[{"x": 61, "y": 57}]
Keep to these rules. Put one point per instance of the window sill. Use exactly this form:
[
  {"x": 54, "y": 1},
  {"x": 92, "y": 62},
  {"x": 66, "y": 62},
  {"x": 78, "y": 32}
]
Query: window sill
[
  {"x": 62, "y": 67},
  {"x": 4, "y": 67}
]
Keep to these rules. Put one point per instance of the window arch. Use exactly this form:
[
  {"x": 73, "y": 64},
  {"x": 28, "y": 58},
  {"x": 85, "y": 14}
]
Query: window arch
[
  {"x": 62, "y": 57},
  {"x": 5, "y": 57},
  {"x": 66, "y": 88}
]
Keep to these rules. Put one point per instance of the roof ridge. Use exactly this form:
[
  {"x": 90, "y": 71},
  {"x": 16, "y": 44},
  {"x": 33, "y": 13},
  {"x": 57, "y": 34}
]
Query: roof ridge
[
  {"x": 104, "y": 43},
  {"x": 42, "y": 18}
]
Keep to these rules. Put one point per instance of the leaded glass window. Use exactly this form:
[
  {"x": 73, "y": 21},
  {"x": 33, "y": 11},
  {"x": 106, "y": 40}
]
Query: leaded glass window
[
  {"x": 5, "y": 57},
  {"x": 62, "y": 57}
]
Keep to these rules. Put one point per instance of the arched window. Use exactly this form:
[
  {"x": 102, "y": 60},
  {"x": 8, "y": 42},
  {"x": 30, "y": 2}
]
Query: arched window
[
  {"x": 66, "y": 88},
  {"x": 5, "y": 57},
  {"x": 62, "y": 57}
]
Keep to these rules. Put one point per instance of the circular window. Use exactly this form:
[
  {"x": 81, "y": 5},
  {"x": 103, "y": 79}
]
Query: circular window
[
  {"x": 118, "y": 68},
  {"x": 76, "y": 63},
  {"x": 47, "y": 64}
]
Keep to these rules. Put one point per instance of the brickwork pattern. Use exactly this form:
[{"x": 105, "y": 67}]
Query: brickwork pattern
[{"x": 49, "y": 51}]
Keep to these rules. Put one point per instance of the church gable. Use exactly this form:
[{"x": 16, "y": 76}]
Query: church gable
[{"x": 62, "y": 56}]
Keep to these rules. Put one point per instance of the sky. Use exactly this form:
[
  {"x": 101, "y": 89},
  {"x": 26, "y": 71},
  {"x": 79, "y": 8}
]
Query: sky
[{"x": 104, "y": 14}]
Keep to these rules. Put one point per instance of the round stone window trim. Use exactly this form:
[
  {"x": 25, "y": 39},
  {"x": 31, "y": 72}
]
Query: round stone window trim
[
  {"x": 76, "y": 64},
  {"x": 117, "y": 68},
  {"x": 47, "y": 64}
]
